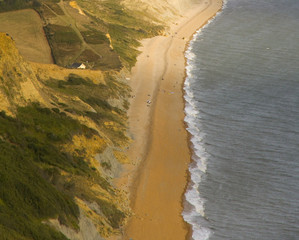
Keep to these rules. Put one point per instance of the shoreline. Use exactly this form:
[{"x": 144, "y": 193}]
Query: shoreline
[{"x": 161, "y": 151}]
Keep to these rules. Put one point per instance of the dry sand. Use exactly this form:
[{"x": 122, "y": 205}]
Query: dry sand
[{"x": 160, "y": 151}]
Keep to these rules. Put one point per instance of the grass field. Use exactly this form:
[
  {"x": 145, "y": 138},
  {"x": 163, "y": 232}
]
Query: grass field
[{"x": 25, "y": 27}]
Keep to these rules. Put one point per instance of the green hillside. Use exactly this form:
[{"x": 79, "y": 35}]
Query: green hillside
[{"x": 48, "y": 143}]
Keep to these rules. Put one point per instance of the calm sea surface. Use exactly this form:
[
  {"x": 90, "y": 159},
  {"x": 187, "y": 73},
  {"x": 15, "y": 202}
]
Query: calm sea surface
[{"x": 242, "y": 95}]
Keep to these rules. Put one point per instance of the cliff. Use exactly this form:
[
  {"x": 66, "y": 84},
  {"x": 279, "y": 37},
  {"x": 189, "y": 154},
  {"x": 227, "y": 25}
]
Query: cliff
[
  {"x": 60, "y": 139},
  {"x": 62, "y": 130},
  {"x": 18, "y": 82}
]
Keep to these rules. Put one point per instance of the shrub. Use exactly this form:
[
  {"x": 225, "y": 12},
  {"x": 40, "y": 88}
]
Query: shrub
[{"x": 30, "y": 164}]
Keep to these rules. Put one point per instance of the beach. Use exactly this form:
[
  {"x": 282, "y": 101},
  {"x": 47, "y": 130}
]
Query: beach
[{"x": 160, "y": 152}]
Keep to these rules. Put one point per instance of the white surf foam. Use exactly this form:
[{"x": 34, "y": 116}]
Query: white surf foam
[{"x": 194, "y": 212}]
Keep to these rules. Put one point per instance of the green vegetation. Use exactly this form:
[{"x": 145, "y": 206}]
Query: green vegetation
[
  {"x": 54, "y": 6},
  {"x": 104, "y": 59},
  {"x": 46, "y": 156},
  {"x": 64, "y": 43},
  {"x": 44, "y": 130},
  {"x": 30, "y": 164},
  {"x": 94, "y": 37},
  {"x": 63, "y": 35},
  {"x": 28, "y": 154},
  {"x": 96, "y": 95},
  {"x": 11, "y": 235},
  {"x": 124, "y": 43},
  {"x": 10, "y": 5},
  {"x": 125, "y": 40},
  {"x": 125, "y": 27},
  {"x": 41, "y": 170},
  {"x": 115, "y": 216},
  {"x": 106, "y": 165}
]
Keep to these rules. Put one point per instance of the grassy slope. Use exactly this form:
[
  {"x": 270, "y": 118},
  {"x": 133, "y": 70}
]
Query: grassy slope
[
  {"x": 42, "y": 171},
  {"x": 31, "y": 161},
  {"x": 124, "y": 26},
  {"x": 42, "y": 177},
  {"x": 96, "y": 96},
  {"x": 28, "y": 156}
]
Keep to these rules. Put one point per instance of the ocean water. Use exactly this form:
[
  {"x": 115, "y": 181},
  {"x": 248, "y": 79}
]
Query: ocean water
[{"x": 242, "y": 110}]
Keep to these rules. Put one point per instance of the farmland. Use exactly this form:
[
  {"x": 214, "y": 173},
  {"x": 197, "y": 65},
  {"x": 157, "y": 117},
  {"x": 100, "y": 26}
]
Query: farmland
[{"x": 26, "y": 28}]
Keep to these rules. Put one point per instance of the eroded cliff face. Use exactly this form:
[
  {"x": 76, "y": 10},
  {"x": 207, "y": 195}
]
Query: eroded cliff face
[
  {"x": 61, "y": 133},
  {"x": 18, "y": 83}
]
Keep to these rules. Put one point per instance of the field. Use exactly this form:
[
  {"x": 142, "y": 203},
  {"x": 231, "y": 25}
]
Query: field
[
  {"x": 102, "y": 34},
  {"x": 25, "y": 27}
]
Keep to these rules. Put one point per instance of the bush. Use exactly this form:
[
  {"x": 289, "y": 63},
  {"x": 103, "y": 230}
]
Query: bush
[
  {"x": 30, "y": 164},
  {"x": 114, "y": 215}
]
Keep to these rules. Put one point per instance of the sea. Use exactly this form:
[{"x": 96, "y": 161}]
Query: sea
[{"x": 242, "y": 112}]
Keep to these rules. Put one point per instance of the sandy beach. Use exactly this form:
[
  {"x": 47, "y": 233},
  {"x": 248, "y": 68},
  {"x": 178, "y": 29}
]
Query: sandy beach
[{"x": 160, "y": 152}]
